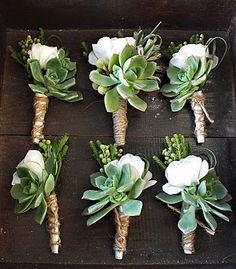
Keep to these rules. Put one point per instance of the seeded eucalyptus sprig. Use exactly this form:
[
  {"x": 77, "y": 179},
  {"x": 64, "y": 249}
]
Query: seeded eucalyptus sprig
[{"x": 176, "y": 149}]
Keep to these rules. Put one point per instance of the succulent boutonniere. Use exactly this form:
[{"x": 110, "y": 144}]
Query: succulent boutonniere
[
  {"x": 193, "y": 182},
  {"x": 125, "y": 66},
  {"x": 189, "y": 67},
  {"x": 34, "y": 183},
  {"x": 53, "y": 75},
  {"x": 118, "y": 184}
]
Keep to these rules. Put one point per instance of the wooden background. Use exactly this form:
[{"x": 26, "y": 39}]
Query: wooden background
[{"x": 154, "y": 239}]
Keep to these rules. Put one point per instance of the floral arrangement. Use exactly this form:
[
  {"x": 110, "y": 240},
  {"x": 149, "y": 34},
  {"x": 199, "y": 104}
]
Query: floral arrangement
[
  {"x": 125, "y": 66},
  {"x": 34, "y": 183},
  {"x": 192, "y": 182},
  {"x": 189, "y": 67},
  {"x": 52, "y": 72},
  {"x": 118, "y": 184}
]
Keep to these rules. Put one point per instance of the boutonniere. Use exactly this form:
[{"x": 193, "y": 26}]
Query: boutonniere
[
  {"x": 125, "y": 66},
  {"x": 34, "y": 184},
  {"x": 194, "y": 184},
  {"x": 118, "y": 184},
  {"x": 189, "y": 67},
  {"x": 53, "y": 74}
]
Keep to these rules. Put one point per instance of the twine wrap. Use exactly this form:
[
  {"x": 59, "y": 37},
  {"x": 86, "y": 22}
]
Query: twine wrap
[
  {"x": 53, "y": 223},
  {"x": 40, "y": 110},
  {"x": 122, "y": 225},
  {"x": 188, "y": 241},
  {"x": 120, "y": 123},
  {"x": 199, "y": 110}
]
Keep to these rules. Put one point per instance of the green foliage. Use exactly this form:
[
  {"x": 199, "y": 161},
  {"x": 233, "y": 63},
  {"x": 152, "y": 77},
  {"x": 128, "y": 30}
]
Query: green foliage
[
  {"x": 21, "y": 53},
  {"x": 57, "y": 79},
  {"x": 104, "y": 154},
  {"x": 174, "y": 48},
  {"x": 32, "y": 191},
  {"x": 209, "y": 196},
  {"x": 114, "y": 188},
  {"x": 124, "y": 77},
  {"x": 148, "y": 45},
  {"x": 184, "y": 82},
  {"x": 176, "y": 149}
]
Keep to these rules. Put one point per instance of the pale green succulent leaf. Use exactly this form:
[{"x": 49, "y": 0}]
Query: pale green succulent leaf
[
  {"x": 49, "y": 185},
  {"x": 149, "y": 70},
  {"x": 137, "y": 61},
  {"x": 132, "y": 207},
  {"x": 36, "y": 71},
  {"x": 210, "y": 220},
  {"x": 37, "y": 88},
  {"x": 169, "y": 199},
  {"x": 100, "y": 79},
  {"x": 127, "y": 52},
  {"x": 96, "y": 207},
  {"x": 41, "y": 212},
  {"x": 137, "y": 188},
  {"x": 112, "y": 100},
  {"x": 146, "y": 85},
  {"x": 113, "y": 61},
  {"x": 137, "y": 103},
  {"x": 187, "y": 222},
  {"x": 124, "y": 91},
  {"x": 177, "y": 106}
]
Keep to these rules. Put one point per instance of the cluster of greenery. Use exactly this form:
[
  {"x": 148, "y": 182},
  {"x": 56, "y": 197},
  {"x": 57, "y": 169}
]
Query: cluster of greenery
[
  {"x": 209, "y": 196},
  {"x": 128, "y": 73},
  {"x": 59, "y": 75},
  {"x": 115, "y": 186},
  {"x": 31, "y": 192}
]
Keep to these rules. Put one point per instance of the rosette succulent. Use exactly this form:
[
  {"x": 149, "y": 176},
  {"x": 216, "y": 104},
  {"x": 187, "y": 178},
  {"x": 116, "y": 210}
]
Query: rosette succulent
[
  {"x": 53, "y": 73},
  {"x": 124, "y": 76},
  {"x": 120, "y": 184},
  {"x": 194, "y": 184},
  {"x": 36, "y": 177},
  {"x": 188, "y": 71}
]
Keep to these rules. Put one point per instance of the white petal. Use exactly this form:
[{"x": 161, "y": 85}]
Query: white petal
[
  {"x": 204, "y": 169},
  {"x": 171, "y": 189},
  {"x": 178, "y": 60},
  {"x": 150, "y": 183},
  {"x": 36, "y": 168},
  {"x": 175, "y": 174},
  {"x": 148, "y": 176},
  {"x": 34, "y": 156},
  {"x": 92, "y": 59},
  {"x": 103, "y": 48},
  {"x": 15, "y": 179},
  {"x": 198, "y": 50},
  {"x": 134, "y": 161}
]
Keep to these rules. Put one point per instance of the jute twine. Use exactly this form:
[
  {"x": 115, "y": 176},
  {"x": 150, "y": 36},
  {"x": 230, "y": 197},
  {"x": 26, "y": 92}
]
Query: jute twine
[
  {"x": 120, "y": 123},
  {"x": 188, "y": 241},
  {"x": 53, "y": 223},
  {"x": 40, "y": 110},
  {"x": 199, "y": 110},
  {"x": 122, "y": 225}
]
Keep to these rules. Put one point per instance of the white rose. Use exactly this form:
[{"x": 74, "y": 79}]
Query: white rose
[
  {"x": 179, "y": 59},
  {"x": 137, "y": 166},
  {"x": 34, "y": 162},
  {"x": 184, "y": 173},
  {"x": 43, "y": 54},
  {"x": 106, "y": 47}
]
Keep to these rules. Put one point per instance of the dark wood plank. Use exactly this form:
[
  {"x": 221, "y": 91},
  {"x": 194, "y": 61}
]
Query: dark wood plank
[
  {"x": 153, "y": 239},
  {"x": 208, "y": 14},
  {"x": 89, "y": 116}
]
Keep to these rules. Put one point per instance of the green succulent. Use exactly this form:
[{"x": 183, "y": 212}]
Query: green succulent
[
  {"x": 32, "y": 191},
  {"x": 114, "y": 187},
  {"x": 184, "y": 82},
  {"x": 124, "y": 77},
  {"x": 58, "y": 78},
  {"x": 210, "y": 197}
]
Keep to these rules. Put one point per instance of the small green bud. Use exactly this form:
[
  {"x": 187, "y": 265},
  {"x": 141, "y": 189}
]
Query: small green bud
[
  {"x": 120, "y": 150},
  {"x": 44, "y": 140},
  {"x": 167, "y": 158},
  {"x": 104, "y": 160},
  {"x": 107, "y": 152},
  {"x": 108, "y": 160},
  {"x": 101, "y": 170},
  {"x": 40, "y": 144},
  {"x": 100, "y": 63},
  {"x": 101, "y": 156},
  {"x": 102, "y": 147},
  {"x": 48, "y": 142},
  {"x": 172, "y": 155},
  {"x": 174, "y": 145}
]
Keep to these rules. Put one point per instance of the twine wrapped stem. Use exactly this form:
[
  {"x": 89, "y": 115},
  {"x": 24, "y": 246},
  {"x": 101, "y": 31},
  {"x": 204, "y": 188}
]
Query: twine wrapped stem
[
  {"x": 199, "y": 110},
  {"x": 53, "y": 222},
  {"x": 40, "y": 110},
  {"x": 120, "y": 123},
  {"x": 122, "y": 226},
  {"x": 188, "y": 240}
]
